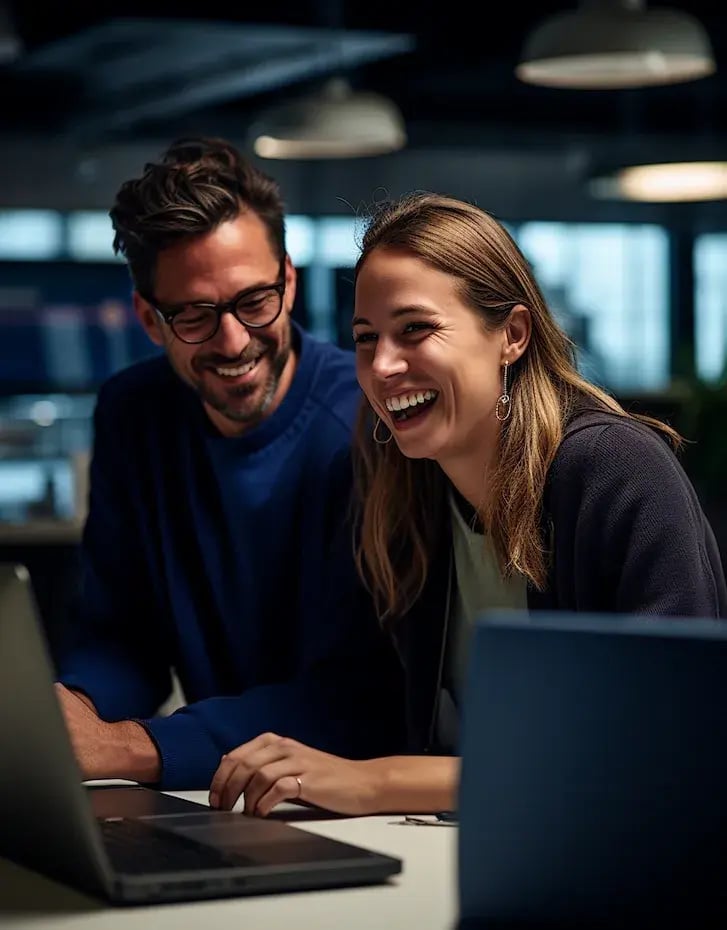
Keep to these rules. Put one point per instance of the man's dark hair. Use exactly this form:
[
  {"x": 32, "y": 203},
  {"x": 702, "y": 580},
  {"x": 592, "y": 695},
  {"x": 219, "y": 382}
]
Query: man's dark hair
[{"x": 198, "y": 184}]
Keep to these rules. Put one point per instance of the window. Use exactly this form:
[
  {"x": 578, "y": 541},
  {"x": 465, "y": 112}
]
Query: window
[
  {"x": 299, "y": 239},
  {"x": 90, "y": 237},
  {"x": 710, "y": 305},
  {"x": 337, "y": 243},
  {"x": 608, "y": 286},
  {"x": 30, "y": 234}
]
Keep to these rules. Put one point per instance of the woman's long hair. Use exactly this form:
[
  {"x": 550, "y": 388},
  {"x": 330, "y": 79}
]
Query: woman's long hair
[{"x": 402, "y": 501}]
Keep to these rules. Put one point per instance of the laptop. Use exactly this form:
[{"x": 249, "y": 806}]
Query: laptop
[
  {"x": 594, "y": 772},
  {"x": 131, "y": 844}
]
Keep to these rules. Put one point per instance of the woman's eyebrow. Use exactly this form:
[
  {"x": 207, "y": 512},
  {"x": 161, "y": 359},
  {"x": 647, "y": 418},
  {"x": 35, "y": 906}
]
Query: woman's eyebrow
[{"x": 395, "y": 314}]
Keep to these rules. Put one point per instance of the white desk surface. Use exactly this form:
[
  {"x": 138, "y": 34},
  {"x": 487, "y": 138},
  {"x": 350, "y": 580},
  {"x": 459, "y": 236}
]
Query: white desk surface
[{"x": 422, "y": 897}]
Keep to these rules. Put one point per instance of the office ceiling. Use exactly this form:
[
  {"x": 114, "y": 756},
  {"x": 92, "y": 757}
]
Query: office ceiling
[{"x": 140, "y": 74}]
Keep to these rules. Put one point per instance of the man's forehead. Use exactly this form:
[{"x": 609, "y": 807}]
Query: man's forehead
[{"x": 218, "y": 265}]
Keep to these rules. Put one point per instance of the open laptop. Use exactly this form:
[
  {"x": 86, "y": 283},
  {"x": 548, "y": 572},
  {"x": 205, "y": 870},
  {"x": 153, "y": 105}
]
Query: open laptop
[
  {"x": 131, "y": 844},
  {"x": 594, "y": 773}
]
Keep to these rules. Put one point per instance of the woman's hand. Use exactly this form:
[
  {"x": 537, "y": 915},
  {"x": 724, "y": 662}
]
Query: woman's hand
[{"x": 270, "y": 769}]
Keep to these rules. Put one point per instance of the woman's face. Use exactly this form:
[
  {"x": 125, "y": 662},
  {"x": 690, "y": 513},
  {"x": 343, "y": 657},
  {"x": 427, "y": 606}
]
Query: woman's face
[{"x": 427, "y": 365}]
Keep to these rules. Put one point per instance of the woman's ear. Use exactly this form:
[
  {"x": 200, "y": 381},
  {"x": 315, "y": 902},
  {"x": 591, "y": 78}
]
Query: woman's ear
[{"x": 517, "y": 333}]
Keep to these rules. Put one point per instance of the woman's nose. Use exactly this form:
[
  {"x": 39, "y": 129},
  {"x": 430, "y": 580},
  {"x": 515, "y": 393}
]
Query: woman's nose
[{"x": 388, "y": 361}]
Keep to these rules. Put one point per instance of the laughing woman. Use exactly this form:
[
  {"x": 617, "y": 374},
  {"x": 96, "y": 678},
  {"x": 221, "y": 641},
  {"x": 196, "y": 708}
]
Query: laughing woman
[{"x": 491, "y": 474}]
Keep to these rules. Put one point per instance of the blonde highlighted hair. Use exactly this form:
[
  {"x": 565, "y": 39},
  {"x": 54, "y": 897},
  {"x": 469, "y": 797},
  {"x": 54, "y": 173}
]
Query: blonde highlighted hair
[{"x": 402, "y": 501}]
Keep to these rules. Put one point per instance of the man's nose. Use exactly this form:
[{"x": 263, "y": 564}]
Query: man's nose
[{"x": 232, "y": 338}]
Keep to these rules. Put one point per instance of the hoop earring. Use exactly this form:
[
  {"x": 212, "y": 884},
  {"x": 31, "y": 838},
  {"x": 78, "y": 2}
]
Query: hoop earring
[
  {"x": 381, "y": 442},
  {"x": 503, "y": 407}
]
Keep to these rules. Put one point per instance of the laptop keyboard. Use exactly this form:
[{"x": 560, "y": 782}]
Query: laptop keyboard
[{"x": 136, "y": 847}]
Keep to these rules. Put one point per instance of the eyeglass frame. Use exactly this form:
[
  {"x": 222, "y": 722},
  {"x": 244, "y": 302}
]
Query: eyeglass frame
[{"x": 170, "y": 311}]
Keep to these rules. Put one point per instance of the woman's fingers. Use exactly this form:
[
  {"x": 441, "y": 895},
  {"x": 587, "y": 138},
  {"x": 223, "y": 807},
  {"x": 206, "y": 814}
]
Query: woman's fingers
[
  {"x": 283, "y": 789},
  {"x": 265, "y": 780},
  {"x": 267, "y": 770},
  {"x": 237, "y": 766}
]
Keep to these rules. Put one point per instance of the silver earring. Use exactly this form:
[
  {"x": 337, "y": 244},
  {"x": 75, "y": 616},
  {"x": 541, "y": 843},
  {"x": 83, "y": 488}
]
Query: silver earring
[
  {"x": 381, "y": 442},
  {"x": 503, "y": 407}
]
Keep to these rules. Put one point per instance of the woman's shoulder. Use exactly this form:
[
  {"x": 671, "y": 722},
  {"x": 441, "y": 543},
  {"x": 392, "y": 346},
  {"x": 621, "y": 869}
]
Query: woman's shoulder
[
  {"x": 610, "y": 467},
  {"x": 597, "y": 440}
]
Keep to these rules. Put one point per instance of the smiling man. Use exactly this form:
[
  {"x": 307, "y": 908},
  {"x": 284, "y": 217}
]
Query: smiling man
[
  {"x": 217, "y": 543},
  {"x": 241, "y": 372}
]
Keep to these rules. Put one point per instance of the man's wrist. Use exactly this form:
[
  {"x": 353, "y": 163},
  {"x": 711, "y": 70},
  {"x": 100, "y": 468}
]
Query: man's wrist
[
  {"x": 135, "y": 755},
  {"x": 82, "y": 696}
]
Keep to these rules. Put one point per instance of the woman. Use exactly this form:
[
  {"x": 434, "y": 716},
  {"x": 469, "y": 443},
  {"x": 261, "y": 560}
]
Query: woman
[{"x": 491, "y": 475}]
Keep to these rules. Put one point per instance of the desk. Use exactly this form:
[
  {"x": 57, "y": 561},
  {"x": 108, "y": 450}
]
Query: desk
[{"x": 422, "y": 897}]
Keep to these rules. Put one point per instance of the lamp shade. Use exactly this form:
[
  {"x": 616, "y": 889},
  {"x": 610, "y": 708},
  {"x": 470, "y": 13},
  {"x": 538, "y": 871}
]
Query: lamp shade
[
  {"x": 336, "y": 122},
  {"x": 616, "y": 44},
  {"x": 667, "y": 182}
]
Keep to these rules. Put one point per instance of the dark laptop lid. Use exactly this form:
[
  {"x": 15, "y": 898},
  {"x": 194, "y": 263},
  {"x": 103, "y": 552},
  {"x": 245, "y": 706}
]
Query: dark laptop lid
[{"x": 594, "y": 774}]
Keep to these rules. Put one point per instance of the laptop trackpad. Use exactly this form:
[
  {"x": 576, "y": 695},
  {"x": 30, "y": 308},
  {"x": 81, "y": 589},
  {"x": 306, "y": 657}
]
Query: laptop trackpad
[
  {"x": 261, "y": 842},
  {"x": 227, "y": 830}
]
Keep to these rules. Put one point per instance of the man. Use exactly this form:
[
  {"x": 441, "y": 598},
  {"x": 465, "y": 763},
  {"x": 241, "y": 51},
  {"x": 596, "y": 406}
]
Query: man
[{"x": 217, "y": 541}]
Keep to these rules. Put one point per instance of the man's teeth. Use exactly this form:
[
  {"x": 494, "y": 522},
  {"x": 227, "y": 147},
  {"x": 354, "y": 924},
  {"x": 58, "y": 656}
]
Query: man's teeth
[
  {"x": 236, "y": 372},
  {"x": 404, "y": 401}
]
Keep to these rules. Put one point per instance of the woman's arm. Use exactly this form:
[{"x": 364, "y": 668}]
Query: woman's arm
[
  {"x": 630, "y": 534},
  {"x": 270, "y": 769},
  {"x": 416, "y": 784}
]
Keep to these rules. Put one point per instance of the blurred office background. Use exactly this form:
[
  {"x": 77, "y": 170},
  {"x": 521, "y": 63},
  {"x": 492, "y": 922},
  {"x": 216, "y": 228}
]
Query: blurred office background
[{"x": 88, "y": 97}]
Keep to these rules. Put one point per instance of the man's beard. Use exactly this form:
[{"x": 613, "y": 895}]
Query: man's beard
[{"x": 220, "y": 401}]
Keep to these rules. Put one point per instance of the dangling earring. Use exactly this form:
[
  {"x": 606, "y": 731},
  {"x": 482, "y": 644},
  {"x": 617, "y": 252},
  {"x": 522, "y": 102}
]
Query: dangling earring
[
  {"x": 503, "y": 407},
  {"x": 381, "y": 442}
]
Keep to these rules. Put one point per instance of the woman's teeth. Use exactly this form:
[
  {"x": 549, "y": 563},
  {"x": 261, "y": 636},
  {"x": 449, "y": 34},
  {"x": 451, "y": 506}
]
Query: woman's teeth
[
  {"x": 405, "y": 406},
  {"x": 404, "y": 401}
]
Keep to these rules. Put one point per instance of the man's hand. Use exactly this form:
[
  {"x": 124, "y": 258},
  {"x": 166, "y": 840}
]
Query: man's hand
[{"x": 107, "y": 750}]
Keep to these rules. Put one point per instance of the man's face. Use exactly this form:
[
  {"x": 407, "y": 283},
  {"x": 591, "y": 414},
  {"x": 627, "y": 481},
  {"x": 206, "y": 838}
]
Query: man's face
[{"x": 241, "y": 375}]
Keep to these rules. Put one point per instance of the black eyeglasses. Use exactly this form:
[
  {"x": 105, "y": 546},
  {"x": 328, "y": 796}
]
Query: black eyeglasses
[{"x": 197, "y": 322}]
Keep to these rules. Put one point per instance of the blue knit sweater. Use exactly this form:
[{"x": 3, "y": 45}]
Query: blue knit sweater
[{"x": 231, "y": 561}]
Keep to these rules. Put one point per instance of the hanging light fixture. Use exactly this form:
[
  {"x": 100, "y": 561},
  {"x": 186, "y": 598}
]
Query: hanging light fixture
[
  {"x": 10, "y": 45},
  {"x": 335, "y": 122},
  {"x": 616, "y": 44},
  {"x": 666, "y": 182}
]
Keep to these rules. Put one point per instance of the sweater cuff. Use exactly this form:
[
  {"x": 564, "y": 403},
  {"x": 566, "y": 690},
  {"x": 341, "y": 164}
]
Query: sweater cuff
[
  {"x": 189, "y": 756},
  {"x": 109, "y": 705}
]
